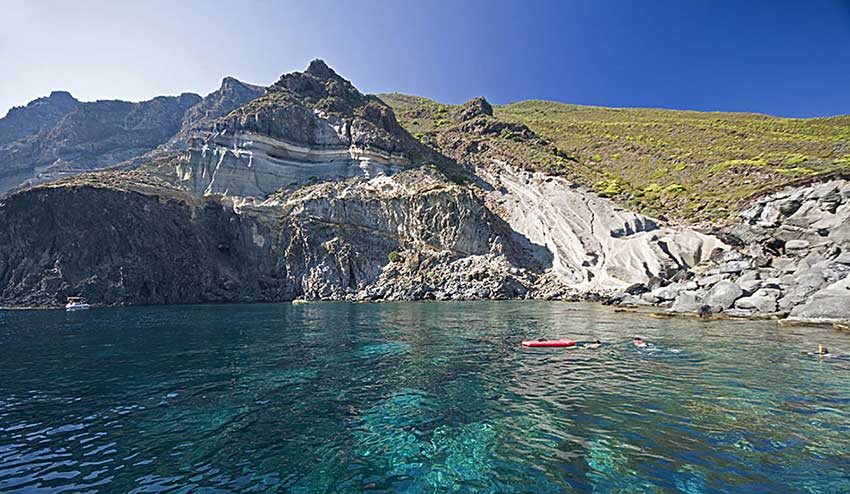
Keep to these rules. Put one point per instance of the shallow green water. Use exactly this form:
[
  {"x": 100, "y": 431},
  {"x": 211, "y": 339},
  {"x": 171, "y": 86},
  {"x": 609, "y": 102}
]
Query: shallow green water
[{"x": 418, "y": 397}]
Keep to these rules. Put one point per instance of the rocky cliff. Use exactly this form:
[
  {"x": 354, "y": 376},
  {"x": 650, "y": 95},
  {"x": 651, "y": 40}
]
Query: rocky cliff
[
  {"x": 311, "y": 189},
  {"x": 59, "y": 136},
  {"x": 311, "y": 125},
  {"x": 131, "y": 238}
]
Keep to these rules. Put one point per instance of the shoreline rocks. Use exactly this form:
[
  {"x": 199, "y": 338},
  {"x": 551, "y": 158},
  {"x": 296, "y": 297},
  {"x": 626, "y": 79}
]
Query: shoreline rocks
[{"x": 791, "y": 259}]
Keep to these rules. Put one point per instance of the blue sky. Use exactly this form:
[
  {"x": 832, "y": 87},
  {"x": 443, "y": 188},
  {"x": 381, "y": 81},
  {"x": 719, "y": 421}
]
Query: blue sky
[{"x": 787, "y": 58}]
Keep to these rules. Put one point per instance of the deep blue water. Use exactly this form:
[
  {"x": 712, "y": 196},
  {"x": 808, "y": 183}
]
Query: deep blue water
[{"x": 416, "y": 397}]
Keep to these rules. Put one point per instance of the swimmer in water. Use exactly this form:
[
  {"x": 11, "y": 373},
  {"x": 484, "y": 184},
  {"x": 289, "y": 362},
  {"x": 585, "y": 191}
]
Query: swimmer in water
[
  {"x": 593, "y": 346},
  {"x": 822, "y": 350},
  {"x": 638, "y": 342}
]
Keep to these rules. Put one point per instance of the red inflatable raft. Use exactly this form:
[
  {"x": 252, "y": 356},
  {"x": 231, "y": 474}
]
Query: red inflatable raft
[{"x": 548, "y": 343}]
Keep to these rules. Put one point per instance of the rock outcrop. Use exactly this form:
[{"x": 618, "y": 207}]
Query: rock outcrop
[
  {"x": 198, "y": 119},
  {"x": 90, "y": 136},
  {"x": 590, "y": 243}
]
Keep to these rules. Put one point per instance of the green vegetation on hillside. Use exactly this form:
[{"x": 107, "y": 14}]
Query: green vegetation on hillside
[{"x": 682, "y": 164}]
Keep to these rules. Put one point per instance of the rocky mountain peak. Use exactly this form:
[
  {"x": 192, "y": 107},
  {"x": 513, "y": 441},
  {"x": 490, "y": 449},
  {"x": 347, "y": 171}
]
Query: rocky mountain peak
[
  {"x": 230, "y": 81},
  {"x": 318, "y": 68},
  {"x": 41, "y": 113},
  {"x": 61, "y": 96},
  {"x": 475, "y": 107},
  {"x": 188, "y": 99},
  {"x": 229, "y": 84},
  {"x": 321, "y": 88}
]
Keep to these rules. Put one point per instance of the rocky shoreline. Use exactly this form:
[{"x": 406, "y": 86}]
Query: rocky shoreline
[
  {"x": 789, "y": 258},
  {"x": 312, "y": 190}
]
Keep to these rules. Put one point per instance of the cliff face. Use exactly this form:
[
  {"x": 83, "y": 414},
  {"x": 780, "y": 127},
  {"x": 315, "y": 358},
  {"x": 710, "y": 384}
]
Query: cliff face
[
  {"x": 134, "y": 239},
  {"x": 198, "y": 119},
  {"x": 19, "y": 130}
]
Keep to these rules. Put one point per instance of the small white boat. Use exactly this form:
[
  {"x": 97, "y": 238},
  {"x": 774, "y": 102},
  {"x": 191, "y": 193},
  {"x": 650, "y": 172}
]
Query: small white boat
[{"x": 76, "y": 303}]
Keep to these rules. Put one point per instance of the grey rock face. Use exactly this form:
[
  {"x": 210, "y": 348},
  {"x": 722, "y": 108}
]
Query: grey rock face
[
  {"x": 330, "y": 241},
  {"x": 59, "y": 136}
]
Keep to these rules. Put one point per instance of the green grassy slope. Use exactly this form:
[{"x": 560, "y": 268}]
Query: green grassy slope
[{"x": 684, "y": 164}]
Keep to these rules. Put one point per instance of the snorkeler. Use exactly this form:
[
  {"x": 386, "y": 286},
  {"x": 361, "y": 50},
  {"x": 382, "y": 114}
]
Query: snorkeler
[
  {"x": 638, "y": 342},
  {"x": 592, "y": 346}
]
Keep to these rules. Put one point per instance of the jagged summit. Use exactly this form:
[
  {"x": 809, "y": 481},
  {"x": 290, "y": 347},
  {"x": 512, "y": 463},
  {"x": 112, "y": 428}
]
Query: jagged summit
[
  {"x": 321, "y": 88},
  {"x": 286, "y": 110},
  {"x": 230, "y": 83},
  {"x": 319, "y": 68}
]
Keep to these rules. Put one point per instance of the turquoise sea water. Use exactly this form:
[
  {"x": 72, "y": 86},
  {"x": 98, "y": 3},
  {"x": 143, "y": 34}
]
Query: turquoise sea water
[{"x": 416, "y": 397}]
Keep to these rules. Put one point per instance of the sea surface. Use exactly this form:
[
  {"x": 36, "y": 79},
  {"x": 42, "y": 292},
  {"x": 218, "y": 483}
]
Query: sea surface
[{"x": 416, "y": 397}]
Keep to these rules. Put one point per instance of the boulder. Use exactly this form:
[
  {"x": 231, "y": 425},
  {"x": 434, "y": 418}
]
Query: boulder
[
  {"x": 789, "y": 206},
  {"x": 801, "y": 287},
  {"x": 723, "y": 295},
  {"x": 669, "y": 292},
  {"x": 769, "y": 215},
  {"x": 749, "y": 276},
  {"x": 829, "y": 304},
  {"x": 749, "y": 286},
  {"x": 830, "y": 201},
  {"x": 763, "y": 301},
  {"x": 738, "y": 312}
]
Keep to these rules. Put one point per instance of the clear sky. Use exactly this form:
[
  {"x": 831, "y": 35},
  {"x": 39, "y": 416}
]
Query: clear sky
[{"x": 787, "y": 58}]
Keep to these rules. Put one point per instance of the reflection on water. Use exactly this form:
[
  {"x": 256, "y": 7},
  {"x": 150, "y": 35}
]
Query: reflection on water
[{"x": 416, "y": 397}]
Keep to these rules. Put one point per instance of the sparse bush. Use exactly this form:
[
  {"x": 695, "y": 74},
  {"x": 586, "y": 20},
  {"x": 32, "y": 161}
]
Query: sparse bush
[{"x": 608, "y": 188}]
